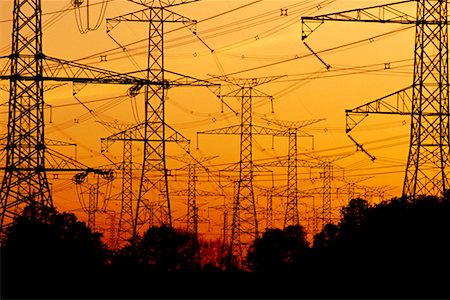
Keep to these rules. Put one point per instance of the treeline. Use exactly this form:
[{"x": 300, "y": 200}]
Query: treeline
[{"x": 395, "y": 249}]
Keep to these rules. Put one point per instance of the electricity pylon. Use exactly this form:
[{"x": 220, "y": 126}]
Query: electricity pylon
[
  {"x": 27, "y": 156},
  {"x": 192, "y": 165},
  {"x": 244, "y": 223},
  {"x": 127, "y": 195},
  {"x": 92, "y": 189},
  {"x": 293, "y": 132},
  {"x": 326, "y": 167},
  {"x": 427, "y": 167},
  {"x": 351, "y": 185},
  {"x": 154, "y": 132}
]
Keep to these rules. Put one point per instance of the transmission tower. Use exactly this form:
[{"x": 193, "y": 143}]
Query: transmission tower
[
  {"x": 154, "y": 132},
  {"x": 27, "y": 154},
  {"x": 326, "y": 168},
  {"x": 293, "y": 132},
  {"x": 244, "y": 223},
  {"x": 192, "y": 165},
  {"x": 427, "y": 166},
  {"x": 351, "y": 186},
  {"x": 127, "y": 195},
  {"x": 92, "y": 189}
]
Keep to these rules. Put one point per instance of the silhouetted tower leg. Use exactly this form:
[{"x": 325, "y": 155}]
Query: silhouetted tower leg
[
  {"x": 92, "y": 207},
  {"x": 427, "y": 167},
  {"x": 25, "y": 180},
  {"x": 326, "y": 194},
  {"x": 269, "y": 214},
  {"x": 192, "y": 209},
  {"x": 126, "y": 217},
  {"x": 291, "y": 217}
]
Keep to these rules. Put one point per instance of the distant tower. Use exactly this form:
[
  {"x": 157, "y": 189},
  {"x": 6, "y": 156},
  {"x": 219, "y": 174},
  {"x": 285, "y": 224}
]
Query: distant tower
[
  {"x": 293, "y": 132},
  {"x": 244, "y": 223}
]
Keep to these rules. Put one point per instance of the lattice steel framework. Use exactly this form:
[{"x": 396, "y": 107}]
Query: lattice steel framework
[
  {"x": 293, "y": 131},
  {"x": 25, "y": 179},
  {"x": 127, "y": 194},
  {"x": 244, "y": 221},
  {"x": 192, "y": 165},
  {"x": 327, "y": 176},
  {"x": 27, "y": 155},
  {"x": 154, "y": 131},
  {"x": 427, "y": 167}
]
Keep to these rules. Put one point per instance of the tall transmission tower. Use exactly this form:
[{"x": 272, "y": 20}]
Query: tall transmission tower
[
  {"x": 244, "y": 223},
  {"x": 28, "y": 157},
  {"x": 293, "y": 132},
  {"x": 427, "y": 166},
  {"x": 154, "y": 132}
]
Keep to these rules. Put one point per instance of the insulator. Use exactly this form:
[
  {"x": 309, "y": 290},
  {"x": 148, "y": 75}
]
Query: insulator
[
  {"x": 79, "y": 178},
  {"x": 77, "y": 3}
]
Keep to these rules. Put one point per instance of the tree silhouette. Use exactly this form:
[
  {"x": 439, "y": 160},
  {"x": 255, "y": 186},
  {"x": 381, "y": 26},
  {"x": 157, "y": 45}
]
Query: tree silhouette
[
  {"x": 279, "y": 250},
  {"x": 44, "y": 248},
  {"x": 162, "y": 249},
  {"x": 398, "y": 248}
]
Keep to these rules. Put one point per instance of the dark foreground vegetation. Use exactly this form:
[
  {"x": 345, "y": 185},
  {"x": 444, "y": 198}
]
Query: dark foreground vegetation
[{"x": 396, "y": 249}]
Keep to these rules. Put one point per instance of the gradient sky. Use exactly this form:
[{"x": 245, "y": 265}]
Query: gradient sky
[{"x": 244, "y": 39}]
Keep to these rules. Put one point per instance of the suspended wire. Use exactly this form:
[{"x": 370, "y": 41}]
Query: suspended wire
[
  {"x": 85, "y": 29},
  {"x": 333, "y": 50},
  {"x": 46, "y": 24},
  {"x": 212, "y": 30}
]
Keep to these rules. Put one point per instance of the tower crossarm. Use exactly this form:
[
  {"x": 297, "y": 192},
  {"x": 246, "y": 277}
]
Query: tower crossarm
[
  {"x": 235, "y": 129},
  {"x": 292, "y": 124},
  {"x": 184, "y": 80},
  {"x": 386, "y": 13},
  {"x": 145, "y": 15},
  {"x": 55, "y": 69},
  {"x": 165, "y": 3},
  {"x": 248, "y": 82},
  {"x": 135, "y": 133},
  {"x": 398, "y": 103}
]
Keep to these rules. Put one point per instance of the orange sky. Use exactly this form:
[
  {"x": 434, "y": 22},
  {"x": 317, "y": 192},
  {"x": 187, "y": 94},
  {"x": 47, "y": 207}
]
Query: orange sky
[{"x": 251, "y": 41}]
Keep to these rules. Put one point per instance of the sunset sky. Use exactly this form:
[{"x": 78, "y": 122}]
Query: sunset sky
[{"x": 242, "y": 39}]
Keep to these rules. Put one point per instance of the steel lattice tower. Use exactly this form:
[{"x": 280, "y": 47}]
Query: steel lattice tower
[
  {"x": 154, "y": 132},
  {"x": 27, "y": 153},
  {"x": 427, "y": 167},
  {"x": 25, "y": 180},
  {"x": 293, "y": 131},
  {"x": 244, "y": 221},
  {"x": 192, "y": 164},
  {"x": 127, "y": 195}
]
